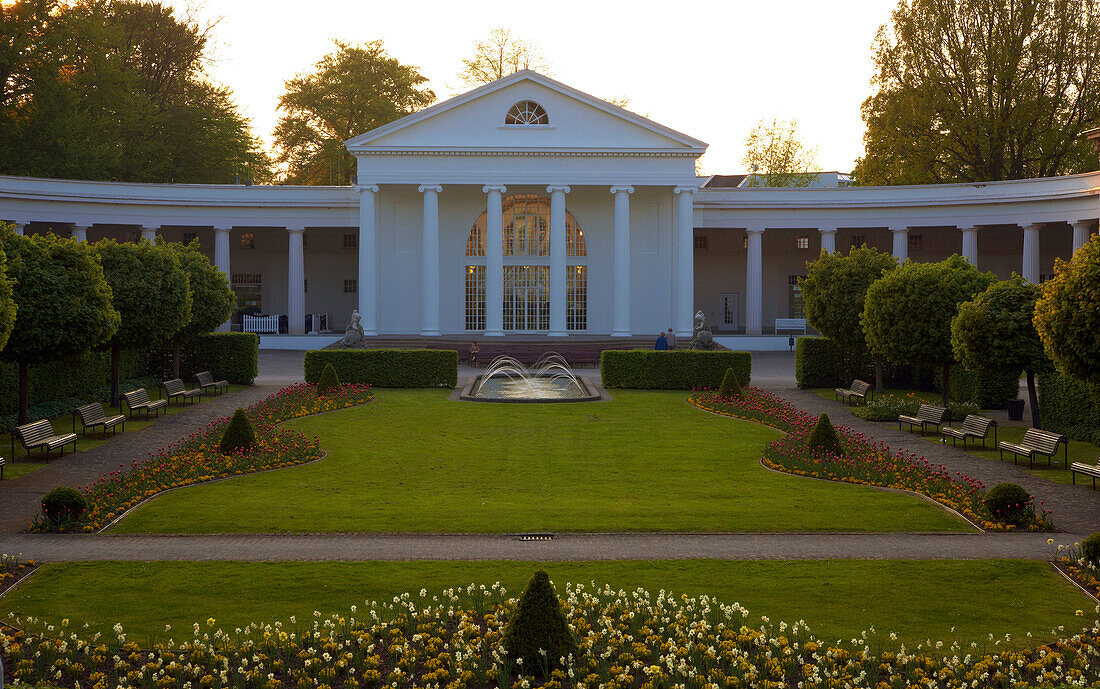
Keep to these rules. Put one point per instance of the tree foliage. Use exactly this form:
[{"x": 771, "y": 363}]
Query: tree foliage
[
  {"x": 212, "y": 298},
  {"x": 994, "y": 333},
  {"x": 115, "y": 89},
  {"x": 350, "y": 91},
  {"x": 777, "y": 157},
  {"x": 8, "y": 307},
  {"x": 64, "y": 302},
  {"x": 907, "y": 313},
  {"x": 501, "y": 54},
  {"x": 1067, "y": 315},
  {"x": 980, "y": 90},
  {"x": 833, "y": 293}
]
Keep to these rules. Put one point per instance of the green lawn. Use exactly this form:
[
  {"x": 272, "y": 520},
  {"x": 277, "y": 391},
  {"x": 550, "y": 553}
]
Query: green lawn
[
  {"x": 64, "y": 424},
  {"x": 412, "y": 461},
  {"x": 838, "y": 598}
]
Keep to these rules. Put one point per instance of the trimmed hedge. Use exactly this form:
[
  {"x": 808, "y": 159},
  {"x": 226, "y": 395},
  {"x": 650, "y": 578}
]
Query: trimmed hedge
[
  {"x": 671, "y": 370},
  {"x": 1070, "y": 407},
  {"x": 230, "y": 356},
  {"x": 387, "y": 368},
  {"x": 818, "y": 363}
]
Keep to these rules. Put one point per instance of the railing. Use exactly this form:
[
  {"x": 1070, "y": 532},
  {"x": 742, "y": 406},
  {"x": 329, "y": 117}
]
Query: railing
[{"x": 260, "y": 324}]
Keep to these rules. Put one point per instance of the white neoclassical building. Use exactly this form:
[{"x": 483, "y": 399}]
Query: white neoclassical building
[{"x": 526, "y": 208}]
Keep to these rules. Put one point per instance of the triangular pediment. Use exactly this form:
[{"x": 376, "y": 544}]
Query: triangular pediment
[{"x": 475, "y": 121}]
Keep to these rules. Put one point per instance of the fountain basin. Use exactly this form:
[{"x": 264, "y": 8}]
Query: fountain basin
[{"x": 532, "y": 389}]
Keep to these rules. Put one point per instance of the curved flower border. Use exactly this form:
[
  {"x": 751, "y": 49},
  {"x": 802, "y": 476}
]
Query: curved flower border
[{"x": 867, "y": 461}]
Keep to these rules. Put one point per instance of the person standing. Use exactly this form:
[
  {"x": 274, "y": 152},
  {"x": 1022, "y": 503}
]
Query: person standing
[
  {"x": 661, "y": 344},
  {"x": 474, "y": 350},
  {"x": 671, "y": 338}
]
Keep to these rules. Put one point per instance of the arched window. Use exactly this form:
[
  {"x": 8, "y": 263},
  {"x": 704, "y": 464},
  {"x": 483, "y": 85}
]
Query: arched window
[
  {"x": 527, "y": 229},
  {"x": 527, "y": 112}
]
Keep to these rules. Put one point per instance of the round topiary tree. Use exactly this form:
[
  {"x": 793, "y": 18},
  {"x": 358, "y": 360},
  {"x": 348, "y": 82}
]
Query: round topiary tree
[
  {"x": 537, "y": 631},
  {"x": 329, "y": 380},
  {"x": 833, "y": 293},
  {"x": 730, "y": 385},
  {"x": 823, "y": 437},
  {"x": 908, "y": 312},
  {"x": 212, "y": 298},
  {"x": 1090, "y": 549},
  {"x": 995, "y": 333},
  {"x": 63, "y": 505},
  {"x": 239, "y": 436},
  {"x": 1008, "y": 503},
  {"x": 1067, "y": 315}
]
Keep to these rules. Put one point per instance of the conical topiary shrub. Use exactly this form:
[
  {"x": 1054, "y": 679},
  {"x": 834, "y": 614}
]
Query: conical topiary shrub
[
  {"x": 329, "y": 380},
  {"x": 239, "y": 436},
  {"x": 730, "y": 385},
  {"x": 537, "y": 631},
  {"x": 824, "y": 438}
]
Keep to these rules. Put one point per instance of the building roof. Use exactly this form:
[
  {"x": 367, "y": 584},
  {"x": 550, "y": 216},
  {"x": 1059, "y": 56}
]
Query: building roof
[{"x": 724, "y": 181}]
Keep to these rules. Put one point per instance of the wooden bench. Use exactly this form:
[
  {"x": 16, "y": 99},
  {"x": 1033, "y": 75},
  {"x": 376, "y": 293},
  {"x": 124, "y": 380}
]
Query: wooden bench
[
  {"x": 176, "y": 388},
  {"x": 206, "y": 380},
  {"x": 1036, "y": 442},
  {"x": 927, "y": 415},
  {"x": 39, "y": 435},
  {"x": 91, "y": 415},
  {"x": 1092, "y": 470},
  {"x": 858, "y": 390},
  {"x": 790, "y": 324},
  {"x": 974, "y": 426},
  {"x": 138, "y": 400}
]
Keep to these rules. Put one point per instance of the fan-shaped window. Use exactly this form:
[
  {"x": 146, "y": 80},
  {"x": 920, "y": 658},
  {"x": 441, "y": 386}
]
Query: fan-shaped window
[
  {"x": 527, "y": 229},
  {"x": 527, "y": 112}
]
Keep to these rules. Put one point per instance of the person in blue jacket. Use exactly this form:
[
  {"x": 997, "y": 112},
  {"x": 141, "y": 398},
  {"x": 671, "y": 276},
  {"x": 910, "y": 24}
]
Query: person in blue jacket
[{"x": 662, "y": 343}]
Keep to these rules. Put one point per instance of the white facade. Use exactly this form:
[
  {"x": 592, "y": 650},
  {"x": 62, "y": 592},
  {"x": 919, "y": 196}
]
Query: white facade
[{"x": 590, "y": 219}]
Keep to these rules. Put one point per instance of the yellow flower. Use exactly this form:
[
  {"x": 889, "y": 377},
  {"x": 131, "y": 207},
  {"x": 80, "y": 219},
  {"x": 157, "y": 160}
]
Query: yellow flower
[{"x": 210, "y": 622}]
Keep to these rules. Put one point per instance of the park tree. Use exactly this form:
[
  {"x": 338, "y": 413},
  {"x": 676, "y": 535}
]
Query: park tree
[
  {"x": 500, "y": 54},
  {"x": 8, "y": 306},
  {"x": 151, "y": 294},
  {"x": 833, "y": 293},
  {"x": 351, "y": 90},
  {"x": 907, "y": 313},
  {"x": 64, "y": 303},
  {"x": 212, "y": 299},
  {"x": 777, "y": 157},
  {"x": 117, "y": 90},
  {"x": 994, "y": 333},
  {"x": 982, "y": 90},
  {"x": 1067, "y": 315}
]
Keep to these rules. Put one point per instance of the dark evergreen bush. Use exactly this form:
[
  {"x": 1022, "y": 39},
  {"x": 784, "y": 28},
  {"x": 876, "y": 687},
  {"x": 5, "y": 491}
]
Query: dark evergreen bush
[
  {"x": 329, "y": 380},
  {"x": 1090, "y": 549},
  {"x": 824, "y": 438},
  {"x": 730, "y": 385},
  {"x": 1009, "y": 503},
  {"x": 239, "y": 435},
  {"x": 538, "y": 624},
  {"x": 63, "y": 505}
]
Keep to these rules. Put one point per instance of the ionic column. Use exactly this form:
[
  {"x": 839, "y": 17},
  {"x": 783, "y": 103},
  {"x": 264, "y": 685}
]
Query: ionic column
[
  {"x": 828, "y": 239},
  {"x": 368, "y": 259},
  {"x": 430, "y": 249},
  {"x": 295, "y": 283},
  {"x": 221, "y": 260},
  {"x": 901, "y": 243},
  {"x": 620, "y": 322},
  {"x": 558, "y": 280},
  {"x": 1030, "y": 268},
  {"x": 1081, "y": 230},
  {"x": 754, "y": 282},
  {"x": 970, "y": 245},
  {"x": 149, "y": 233},
  {"x": 684, "y": 280},
  {"x": 80, "y": 233},
  {"x": 494, "y": 260}
]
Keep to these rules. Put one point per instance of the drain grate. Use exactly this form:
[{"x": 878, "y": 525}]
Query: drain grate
[{"x": 535, "y": 537}]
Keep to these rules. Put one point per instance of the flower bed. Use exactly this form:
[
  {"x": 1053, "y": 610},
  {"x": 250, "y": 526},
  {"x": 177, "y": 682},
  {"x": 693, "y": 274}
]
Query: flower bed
[
  {"x": 866, "y": 462},
  {"x": 889, "y": 407},
  {"x": 196, "y": 458},
  {"x": 13, "y": 569},
  {"x": 626, "y": 640},
  {"x": 1072, "y": 561}
]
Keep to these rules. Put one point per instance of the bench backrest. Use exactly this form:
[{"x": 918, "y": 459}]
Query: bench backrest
[
  {"x": 931, "y": 414},
  {"x": 790, "y": 323},
  {"x": 977, "y": 425},
  {"x": 859, "y": 387},
  {"x": 91, "y": 413},
  {"x": 204, "y": 378},
  {"x": 174, "y": 386},
  {"x": 1043, "y": 441},
  {"x": 34, "y": 432},
  {"x": 137, "y": 397}
]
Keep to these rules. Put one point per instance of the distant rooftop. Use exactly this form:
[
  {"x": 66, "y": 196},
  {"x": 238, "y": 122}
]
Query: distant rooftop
[{"x": 821, "y": 180}]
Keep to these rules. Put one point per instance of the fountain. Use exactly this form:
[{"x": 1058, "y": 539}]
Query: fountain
[{"x": 549, "y": 379}]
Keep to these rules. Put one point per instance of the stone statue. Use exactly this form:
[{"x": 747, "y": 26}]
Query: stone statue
[
  {"x": 353, "y": 332},
  {"x": 701, "y": 337}
]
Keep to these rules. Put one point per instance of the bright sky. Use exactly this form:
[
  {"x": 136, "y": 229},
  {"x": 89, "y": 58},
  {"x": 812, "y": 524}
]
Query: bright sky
[{"x": 709, "y": 69}]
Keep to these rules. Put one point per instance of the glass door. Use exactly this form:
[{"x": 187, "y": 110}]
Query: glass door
[{"x": 526, "y": 298}]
